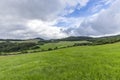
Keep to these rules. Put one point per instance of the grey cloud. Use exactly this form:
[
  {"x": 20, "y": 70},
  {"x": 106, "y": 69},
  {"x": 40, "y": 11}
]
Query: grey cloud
[
  {"x": 30, "y": 9},
  {"x": 14, "y": 15}
]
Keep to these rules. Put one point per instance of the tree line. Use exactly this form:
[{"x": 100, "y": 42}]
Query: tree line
[{"x": 14, "y": 47}]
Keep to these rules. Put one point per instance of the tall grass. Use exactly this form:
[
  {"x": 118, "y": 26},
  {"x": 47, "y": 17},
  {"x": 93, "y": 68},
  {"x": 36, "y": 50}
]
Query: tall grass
[{"x": 75, "y": 63}]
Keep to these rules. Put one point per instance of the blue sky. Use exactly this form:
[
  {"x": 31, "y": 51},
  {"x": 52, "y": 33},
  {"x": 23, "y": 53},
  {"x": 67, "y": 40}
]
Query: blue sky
[
  {"x": 23, "y": 19},
  {"x": 87, "y": 10},
  {"x": 91, "y": 8}
]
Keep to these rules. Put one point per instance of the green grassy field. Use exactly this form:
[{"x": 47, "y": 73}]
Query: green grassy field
[
  {"x": 76, "y": 63},
  {"x": 45, "y": 47},
  {"x": 55, "y": 46},
  {"x": 60, "y": 44}
]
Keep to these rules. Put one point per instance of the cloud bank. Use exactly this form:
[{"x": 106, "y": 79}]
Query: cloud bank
[
  {"x": 21, "y": 19},
  {"x": 106, "y": 22}
]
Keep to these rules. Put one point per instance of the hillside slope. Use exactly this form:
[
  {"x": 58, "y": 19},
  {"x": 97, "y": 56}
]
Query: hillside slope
[{"x": 76, "y": 63}]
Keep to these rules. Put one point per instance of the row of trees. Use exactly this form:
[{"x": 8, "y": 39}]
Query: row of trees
[
  {"x": 14, "y": 47},
  {"x": 105, "y": 40},
  {"x": 100, "y": 41}
]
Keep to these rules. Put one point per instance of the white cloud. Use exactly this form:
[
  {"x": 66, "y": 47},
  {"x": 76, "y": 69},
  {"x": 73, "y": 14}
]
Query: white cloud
[
  {"x": 46, "y": 29},
  {"x": 15, "y": 14},
  {"x": 36, "y": 9},
  {"x": 70, "y": 5},
  {"x": 73, "y": 3},
  {"x": 107, "y": 22},
  {"x": 37, "y": 18}
]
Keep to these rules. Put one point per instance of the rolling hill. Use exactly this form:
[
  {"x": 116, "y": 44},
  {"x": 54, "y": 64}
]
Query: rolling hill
[
  {"x": 100, "y": 62},
  {"x": 39, "y": 44}
]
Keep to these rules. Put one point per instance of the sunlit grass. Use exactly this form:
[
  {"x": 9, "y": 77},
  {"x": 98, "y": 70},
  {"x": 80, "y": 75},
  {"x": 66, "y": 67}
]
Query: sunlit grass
[{"x": 75, "y": 63}]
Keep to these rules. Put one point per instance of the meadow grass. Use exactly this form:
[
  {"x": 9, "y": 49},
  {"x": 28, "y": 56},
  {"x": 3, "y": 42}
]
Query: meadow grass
[
  {"x": 76, "y": 63},
  {"x": 60, "y": 44}
]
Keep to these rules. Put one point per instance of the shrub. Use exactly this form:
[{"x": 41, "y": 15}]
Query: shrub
[
  {"x": 35, "y": 47},
  {"x": 24, "y": 52},
  {"x": 49, "y": 49},
  {"x": 55, "y": 48}
]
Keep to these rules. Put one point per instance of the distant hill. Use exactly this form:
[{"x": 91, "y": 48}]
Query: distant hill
[
  {"x": 99, "y": 40},
  {"x": 22, "y": 40},
  {"x": 106, "y": 40},
  {"x": 41, "y": 39},
  {"x": 75, "y": 38},
  {"x": 11, "y": 40},
  {"x": 12, "y": 45}
]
